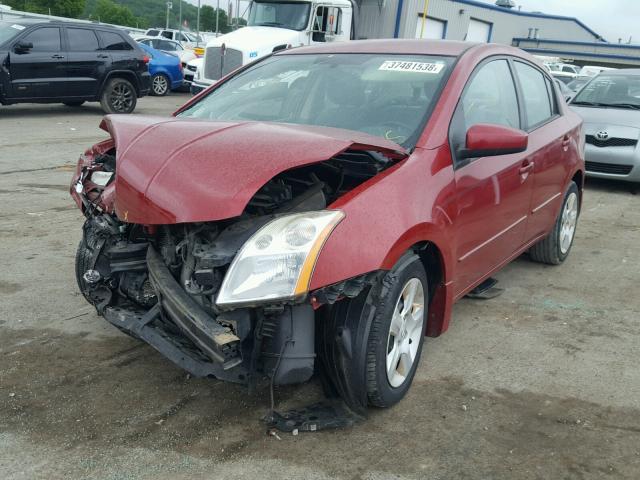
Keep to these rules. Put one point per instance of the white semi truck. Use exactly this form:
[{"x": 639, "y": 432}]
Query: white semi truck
[{"x": 275, "y": 25}]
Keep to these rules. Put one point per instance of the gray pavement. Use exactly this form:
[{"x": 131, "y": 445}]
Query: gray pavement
[{"x": 542, "y": 382}]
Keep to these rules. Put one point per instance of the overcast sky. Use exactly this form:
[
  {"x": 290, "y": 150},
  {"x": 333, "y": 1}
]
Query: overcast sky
[{"x": 612, "y": 19}]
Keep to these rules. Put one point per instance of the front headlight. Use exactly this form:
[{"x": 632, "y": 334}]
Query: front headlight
[
  {"x": 101, "y": 178},
  {"x": 276, "y": 263}
]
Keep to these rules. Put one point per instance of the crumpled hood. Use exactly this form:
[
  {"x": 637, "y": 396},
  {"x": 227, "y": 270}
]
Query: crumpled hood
[
  {"x": 172, "y": 170},
  {"x": 256, "y": 38}
]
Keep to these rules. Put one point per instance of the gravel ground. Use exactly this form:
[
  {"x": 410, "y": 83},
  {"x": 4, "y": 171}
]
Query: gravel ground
[{"x": 541, "y": 382}]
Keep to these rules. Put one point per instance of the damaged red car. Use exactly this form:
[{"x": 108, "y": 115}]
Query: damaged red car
[{"x": 321, "y": 209}]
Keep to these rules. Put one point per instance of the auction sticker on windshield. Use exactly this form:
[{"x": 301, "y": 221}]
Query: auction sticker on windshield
[
  {"x": 420, "y": 67},
  {"x": 18, "y": 27}
]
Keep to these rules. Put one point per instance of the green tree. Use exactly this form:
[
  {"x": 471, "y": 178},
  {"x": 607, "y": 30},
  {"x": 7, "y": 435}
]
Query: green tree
[
  {"x": 107, "y": 11},
  {"x": 61, "y": 8},
  {"x": 208, "y": 19}
]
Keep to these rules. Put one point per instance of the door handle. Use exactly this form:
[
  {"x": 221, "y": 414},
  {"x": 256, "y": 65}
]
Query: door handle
[
  {"x": 566, "y": 141},
  {"x": 57, "y": 56},
  {"x": 526, "y": 167},
  {"x": 102, "y": 55}
]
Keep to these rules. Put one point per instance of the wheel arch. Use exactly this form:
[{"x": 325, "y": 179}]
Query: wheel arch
[
  {"x": 435, "y": 258},
  {"x": 578, "y": 178},
  {"x": 127, "y": 75}
]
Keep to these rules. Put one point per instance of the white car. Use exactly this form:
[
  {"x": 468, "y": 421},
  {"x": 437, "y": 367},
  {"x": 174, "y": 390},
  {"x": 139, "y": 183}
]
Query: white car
[
  {"x": 593, "y": 70},
  {"x": 169, "y": 46},
  {"x": 190, "y": 71},
  {"x": 188, "y": 39},
  {"x": 566, "y": 68}
]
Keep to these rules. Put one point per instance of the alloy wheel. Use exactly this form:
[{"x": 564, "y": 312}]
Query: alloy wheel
[
  {"x": 121, "y": 97},
  {"x": 160, "y": 85},
  {"x": 404, "y": 332},
  {"x": 568, "y": 222}
]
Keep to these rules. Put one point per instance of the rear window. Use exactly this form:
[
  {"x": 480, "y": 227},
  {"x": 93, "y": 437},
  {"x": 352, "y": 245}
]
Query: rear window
[{"x": 113, "y": 41}]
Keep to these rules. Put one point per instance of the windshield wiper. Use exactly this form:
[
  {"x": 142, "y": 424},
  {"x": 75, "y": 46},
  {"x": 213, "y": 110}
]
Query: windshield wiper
[
  {"x": 632, "y": 106},
  {"x": 589, "y": 104},
  {"x": 268, "y": 24}
]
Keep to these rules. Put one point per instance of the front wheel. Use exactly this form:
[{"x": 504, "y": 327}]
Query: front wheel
[
  {"x": 397, "y": 332},
  {"x": 159, "y": 85},
  {"x": 555, "y": 248},
  {"x": 118, "y": 96}
]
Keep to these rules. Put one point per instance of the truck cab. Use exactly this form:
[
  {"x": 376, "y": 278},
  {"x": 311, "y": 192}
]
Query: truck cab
[{"x": 275, "y": 25}]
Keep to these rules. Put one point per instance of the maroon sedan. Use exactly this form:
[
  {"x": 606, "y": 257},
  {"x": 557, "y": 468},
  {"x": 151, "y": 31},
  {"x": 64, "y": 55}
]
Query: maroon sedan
[{"x": 323, "y": 208}]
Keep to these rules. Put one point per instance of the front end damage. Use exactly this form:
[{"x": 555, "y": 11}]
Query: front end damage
[{"x": 163, "y": 282}]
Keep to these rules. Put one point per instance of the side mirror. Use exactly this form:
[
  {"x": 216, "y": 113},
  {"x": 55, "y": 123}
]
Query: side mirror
[
  {"x": 22, "y": 47},
  {"x": 487, "y": 140}
]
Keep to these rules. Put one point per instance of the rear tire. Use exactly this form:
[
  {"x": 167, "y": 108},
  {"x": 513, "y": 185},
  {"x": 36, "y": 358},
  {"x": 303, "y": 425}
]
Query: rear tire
[
  {"x": 160, "y": 85},
  {"x": 118, "y": 96},
  {"x": 74, "y": 104},
  {"x": 555, "y": 248}
]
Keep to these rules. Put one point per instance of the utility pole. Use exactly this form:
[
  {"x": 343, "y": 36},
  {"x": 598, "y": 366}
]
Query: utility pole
[
  {"x": 180, "y": 18},
  {"x": 198, "y": 26},
  {"x": 217, "y": 17},
  {"x": 169, "y": 7}
]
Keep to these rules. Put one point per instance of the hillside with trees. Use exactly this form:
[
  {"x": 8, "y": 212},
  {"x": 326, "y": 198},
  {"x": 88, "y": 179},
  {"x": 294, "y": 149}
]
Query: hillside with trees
[{"x": 130, "y": 13}]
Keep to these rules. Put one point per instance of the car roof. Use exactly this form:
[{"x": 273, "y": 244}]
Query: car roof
[
  {"x": 36, "y": 21},
  {"x": 396, "y": 46}
]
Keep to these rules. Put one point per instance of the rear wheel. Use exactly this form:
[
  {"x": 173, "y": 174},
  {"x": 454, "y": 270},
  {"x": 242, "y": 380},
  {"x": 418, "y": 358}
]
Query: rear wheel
[
  {"x": 118, "y": 96},
  {"x": 159, "y": 85},
  {"x": 74, "y": 104},
  {"x": 555, "y": 248}
]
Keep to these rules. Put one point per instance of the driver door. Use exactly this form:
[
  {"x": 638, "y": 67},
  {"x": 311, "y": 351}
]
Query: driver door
[
  {"x": 493, "y": 193},
  {"x": 328, "y": 25},
  {"x": 39, "y": 71}
]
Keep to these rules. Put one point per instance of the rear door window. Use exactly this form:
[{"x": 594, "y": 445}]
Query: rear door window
[
  {"x": 535, "y": 96},
  {"x": 82, "y": 40},
  {"x": 46, "y": 39}
]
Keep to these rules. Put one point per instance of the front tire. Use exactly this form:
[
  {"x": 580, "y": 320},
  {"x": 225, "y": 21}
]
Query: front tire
[
  {"x": 118, "y": 96},
  {"x": 397, "y": 332},
  {"x": 159, "y": 85},
  {"x": 555, "y": 248}
]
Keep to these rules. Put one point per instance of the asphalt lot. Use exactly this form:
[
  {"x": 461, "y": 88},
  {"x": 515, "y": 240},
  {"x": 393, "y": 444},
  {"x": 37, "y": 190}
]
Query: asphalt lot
[{"x": 541, "y": 382}]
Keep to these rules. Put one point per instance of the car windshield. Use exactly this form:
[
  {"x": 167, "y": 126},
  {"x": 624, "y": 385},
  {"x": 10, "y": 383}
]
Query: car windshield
[
  {"x": 8, "y": 30},
  {"x": 291, "y": 15},
  {"x": 622, "y": 91},
  {"x": 578, "y": 83},
  {"x": 384, "y": 95}
]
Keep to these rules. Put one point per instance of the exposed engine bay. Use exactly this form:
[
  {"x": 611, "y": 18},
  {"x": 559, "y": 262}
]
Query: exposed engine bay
[{"x": 160, "y": 282}]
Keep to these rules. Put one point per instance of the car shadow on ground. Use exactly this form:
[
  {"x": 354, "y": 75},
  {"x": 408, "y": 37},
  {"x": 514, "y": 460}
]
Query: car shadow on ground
[{"x": 612, "y": 186}]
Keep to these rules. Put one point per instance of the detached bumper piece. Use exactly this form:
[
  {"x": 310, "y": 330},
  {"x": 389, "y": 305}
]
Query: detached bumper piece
[
  {"x": 214, "y": 350},
  {"x": 216, "y": 340}
]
